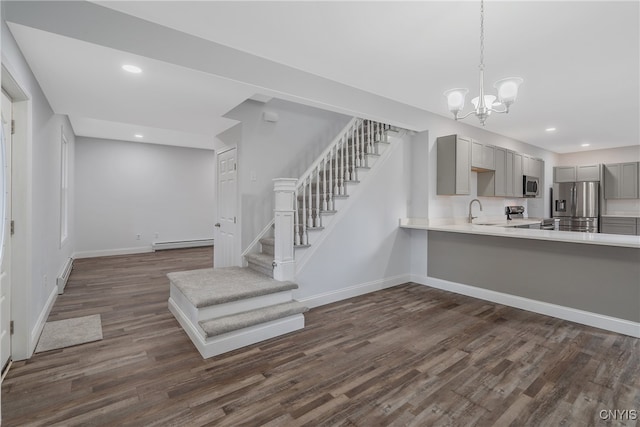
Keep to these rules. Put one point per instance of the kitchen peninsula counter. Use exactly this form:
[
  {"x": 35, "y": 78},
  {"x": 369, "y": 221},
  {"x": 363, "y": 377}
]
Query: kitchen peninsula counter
[
  {"x": 503, "y": 228},
  {"x": 589, "y": 278}
]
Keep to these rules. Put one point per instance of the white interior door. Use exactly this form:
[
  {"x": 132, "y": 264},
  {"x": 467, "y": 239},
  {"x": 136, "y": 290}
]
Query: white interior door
[
  {"x": 5, "y": 233},
  {"x": 225, "y": 239}
]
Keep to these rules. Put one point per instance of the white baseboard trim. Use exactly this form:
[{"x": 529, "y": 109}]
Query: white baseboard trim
[
  {"x": 182, "y": 244},
  {"x": 42, "y": 319},
  {"x": 354, "y": 291},
  {"x": 583, "y": 317},
  {"x": 235, "y": 339},
  {"x": 112, "y": 252}
]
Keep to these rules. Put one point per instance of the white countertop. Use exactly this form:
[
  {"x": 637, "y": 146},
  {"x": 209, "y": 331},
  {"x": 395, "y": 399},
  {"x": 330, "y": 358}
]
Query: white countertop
[{"x": 521, "y": 233}]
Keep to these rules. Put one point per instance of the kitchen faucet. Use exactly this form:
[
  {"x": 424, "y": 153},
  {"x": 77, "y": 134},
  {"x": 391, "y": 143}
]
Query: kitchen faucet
[{"x": 470, "y": 204}]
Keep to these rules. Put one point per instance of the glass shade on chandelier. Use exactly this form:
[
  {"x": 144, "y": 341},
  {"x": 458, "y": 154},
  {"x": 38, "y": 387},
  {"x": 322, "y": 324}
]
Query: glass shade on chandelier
[{"x": 507, "y": 94}]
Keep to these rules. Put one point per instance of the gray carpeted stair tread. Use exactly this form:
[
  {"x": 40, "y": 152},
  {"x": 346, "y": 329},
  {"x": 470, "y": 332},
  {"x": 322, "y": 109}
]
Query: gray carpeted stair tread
[
  {"x": 268, "y": 241},
  {"x": 263, "y": 260},
  {"x": 211, "y": 286},
  {"x": 221, "y": 325},
  {"x": 268, "y": 245}
]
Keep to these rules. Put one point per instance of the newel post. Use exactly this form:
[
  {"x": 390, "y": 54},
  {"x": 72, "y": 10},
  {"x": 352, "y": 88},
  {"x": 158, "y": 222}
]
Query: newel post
[{"x": 284, "y": 263}]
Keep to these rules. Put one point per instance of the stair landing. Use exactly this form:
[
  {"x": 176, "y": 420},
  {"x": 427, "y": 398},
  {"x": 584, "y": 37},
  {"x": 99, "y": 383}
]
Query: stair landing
[{"x": 207, "y": 287}]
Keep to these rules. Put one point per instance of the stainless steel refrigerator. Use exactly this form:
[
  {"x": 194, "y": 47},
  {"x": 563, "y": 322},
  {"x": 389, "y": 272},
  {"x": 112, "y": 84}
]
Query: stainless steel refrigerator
[{"x": 577, "y": 205}]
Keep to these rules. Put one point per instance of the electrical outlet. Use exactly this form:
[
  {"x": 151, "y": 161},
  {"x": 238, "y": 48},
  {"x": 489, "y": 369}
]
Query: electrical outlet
[{"x": 138, "y": 236}]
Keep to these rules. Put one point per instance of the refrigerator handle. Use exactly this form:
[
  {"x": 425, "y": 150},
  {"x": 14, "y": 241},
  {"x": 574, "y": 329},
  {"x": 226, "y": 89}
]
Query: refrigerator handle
[{"x": 574, "y": 199}]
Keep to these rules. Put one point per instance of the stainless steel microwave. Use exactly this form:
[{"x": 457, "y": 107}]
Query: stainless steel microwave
[{"x": 530, "y": 186}]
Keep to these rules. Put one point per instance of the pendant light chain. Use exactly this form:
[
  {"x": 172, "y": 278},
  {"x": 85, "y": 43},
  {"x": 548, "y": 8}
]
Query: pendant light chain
[
  {"x": 483, "y": 104},
  {"x": 481, "y": 35}
]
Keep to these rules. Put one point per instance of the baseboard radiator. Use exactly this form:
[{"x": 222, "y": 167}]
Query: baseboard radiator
[
  {"x": 179, "y": 244},
  {"x": 64, "y": 275}
]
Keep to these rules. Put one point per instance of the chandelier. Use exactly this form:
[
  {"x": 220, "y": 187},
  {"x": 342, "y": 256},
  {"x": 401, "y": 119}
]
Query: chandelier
[{"x": 483, "y": 104}]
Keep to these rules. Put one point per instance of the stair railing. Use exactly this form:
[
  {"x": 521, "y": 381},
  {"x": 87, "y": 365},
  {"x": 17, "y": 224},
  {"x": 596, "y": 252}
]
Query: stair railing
[{"x": 329, "y": 174}]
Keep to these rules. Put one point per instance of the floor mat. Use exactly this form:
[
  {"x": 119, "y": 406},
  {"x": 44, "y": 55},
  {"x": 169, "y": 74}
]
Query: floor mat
[{"x": 69, "y": 332}]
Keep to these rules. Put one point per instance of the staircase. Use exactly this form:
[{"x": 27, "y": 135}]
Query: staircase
[
  {"x": 227, "y": 308},
  {"x": 262, "y": 262},
  {"x": 325, "y": 187}
]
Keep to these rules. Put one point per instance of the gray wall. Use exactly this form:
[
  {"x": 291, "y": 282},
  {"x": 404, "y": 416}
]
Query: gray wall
[
  {"x": 161, "y": 192},
  {"x": 595, "y": 278}
]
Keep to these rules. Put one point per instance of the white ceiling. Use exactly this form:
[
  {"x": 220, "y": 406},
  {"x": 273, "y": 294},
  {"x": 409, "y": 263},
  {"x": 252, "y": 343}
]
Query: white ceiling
[{"x": 385, "y": 60}]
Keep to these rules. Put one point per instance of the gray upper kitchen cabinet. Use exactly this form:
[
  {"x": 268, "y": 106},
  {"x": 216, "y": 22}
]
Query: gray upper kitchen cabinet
[
  {"x": 576, "y": 173},
  {"x": 517, "y": 175},
  {"x": 454, "y": 165},
  {"x": 532, "y": 166},
  {"x": 482, "y": 156},
  {"x": 495, "y": 183},
  {"x": 621, "y": 180},
  {"x": 564, "y": 174},
  {"x": 509, "y": 178},
  {"x": 588, "y": 173}
]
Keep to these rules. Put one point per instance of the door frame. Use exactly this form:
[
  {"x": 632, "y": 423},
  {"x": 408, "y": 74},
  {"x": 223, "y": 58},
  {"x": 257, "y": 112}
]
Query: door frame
[
  {"x": 238, "y": 234},
  {"x": 22, "y": 345},
  {"x": 5, "y": 211}
]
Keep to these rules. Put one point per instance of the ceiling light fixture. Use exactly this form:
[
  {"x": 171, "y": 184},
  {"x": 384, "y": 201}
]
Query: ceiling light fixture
[
  {"x": 585, "y": 145},
  {"x": 132, "y": 69},
  {"x": 483, "y": 104},
  {"x": 139, "y": 135},
  {"x": 550, "y": 129}
]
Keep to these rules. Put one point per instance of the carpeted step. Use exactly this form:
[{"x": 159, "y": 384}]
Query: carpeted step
[
  {"x": 209, "y": 286},
  {"x": 267, "y": 244},
  {"x": 261, "y": 263},
  {"x": 222, "y": 325}
]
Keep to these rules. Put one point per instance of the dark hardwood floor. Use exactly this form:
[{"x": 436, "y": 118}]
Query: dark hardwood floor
[{"x": 409, "y": 355}]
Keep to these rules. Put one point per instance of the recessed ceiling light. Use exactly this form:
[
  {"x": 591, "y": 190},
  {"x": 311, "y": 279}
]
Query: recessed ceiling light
[
  {"x": 550, "y": 129},
  {"x": 132, "y": 69},
  {"x": 139, "y": 135},
  {"x": 585, "y": 144}
]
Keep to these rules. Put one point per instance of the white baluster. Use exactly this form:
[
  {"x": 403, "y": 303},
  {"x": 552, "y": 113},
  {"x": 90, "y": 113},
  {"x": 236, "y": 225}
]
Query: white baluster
[
  {"x": 310, "y": 204},
  {"x": 343, "y": 166},
  {"x": 352, "y": 160},
  {"x": 317, "y": 219},
  {"x": 330, "y": 205},
  {"x": 304, "y": 215},
  {"x": 358, "y": 133},
  {"x": 325, "y": 182},
  {"x": 369, "y": 143},
  {"x": 363, "y": 151},
  {"x": 296, "y": 220}
]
